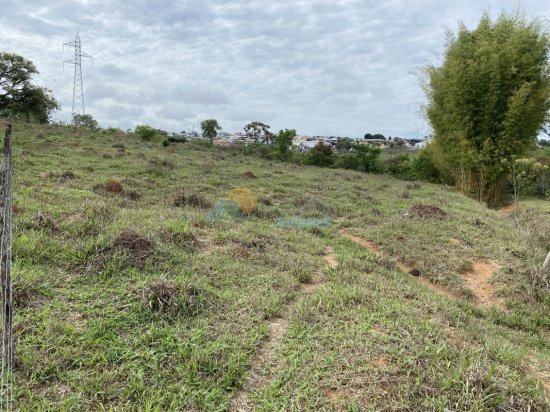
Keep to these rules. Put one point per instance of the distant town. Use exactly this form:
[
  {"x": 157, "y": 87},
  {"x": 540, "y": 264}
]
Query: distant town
[{"x": 304, "y": 143}]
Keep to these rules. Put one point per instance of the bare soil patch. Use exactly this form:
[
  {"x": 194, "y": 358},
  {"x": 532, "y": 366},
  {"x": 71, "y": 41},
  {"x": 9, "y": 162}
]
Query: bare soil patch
[
  {"x": 507, "y": 209},
  {"x": 426, "y": 211},
  {"x": 478, "y": 280},
  {"x": 329, "y": 258},
  {"x": 370, "y": 246},
  {"x": 113, "y": 186}
]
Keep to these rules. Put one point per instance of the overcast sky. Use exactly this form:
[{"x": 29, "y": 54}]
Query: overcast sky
[{"x": 330, "y": 67}]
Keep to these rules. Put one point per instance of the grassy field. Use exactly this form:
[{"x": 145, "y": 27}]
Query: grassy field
[{"x": 147, "y": 297}]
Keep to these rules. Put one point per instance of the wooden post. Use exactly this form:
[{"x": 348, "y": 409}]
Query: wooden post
[
  {"x": 546, "y": 262},
  {"x": 6, "y": 395}
]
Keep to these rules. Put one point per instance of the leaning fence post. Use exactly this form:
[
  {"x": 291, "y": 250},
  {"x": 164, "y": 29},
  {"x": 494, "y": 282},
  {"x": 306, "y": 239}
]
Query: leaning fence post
[
  {"x": 546, "y": 262},
  {"x": 6, "y": 395}
]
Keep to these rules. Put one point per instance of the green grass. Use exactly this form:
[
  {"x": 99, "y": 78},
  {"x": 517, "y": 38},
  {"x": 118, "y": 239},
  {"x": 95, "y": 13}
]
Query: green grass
[{"x": 175, "y": 324}]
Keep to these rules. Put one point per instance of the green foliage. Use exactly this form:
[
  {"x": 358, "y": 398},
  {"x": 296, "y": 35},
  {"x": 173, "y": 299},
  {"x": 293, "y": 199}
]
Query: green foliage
[
  {"x": 177, "y": 139},
  {"x": 146, "y": 132},
  {"x": 399, "y": 166},
  {"x": 368, "y": 157},
  {"x": 18, "y": 96},
  {"x": 283, "y": 142},
  {"x": 321, "y": 155},
  {"x": 522, "y": 172},
  {"x": 488, "y": 101},
  {"x": 343, "y": 145},
  {"x": 347, "y": 161},
  {"x": 85, "y": 121},
  {"x": 260, "y": 132},
  {"x": 377, "y": 136},
  {"x": 424, "y": 168},
  {"x": 210, "y": 129}
]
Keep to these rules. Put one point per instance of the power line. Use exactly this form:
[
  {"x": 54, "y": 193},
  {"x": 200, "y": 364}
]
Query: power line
[
  {"x": 102, "y": 20},
  {"x": 196, "y": 21},
  {"x": 140, "y": 23}
]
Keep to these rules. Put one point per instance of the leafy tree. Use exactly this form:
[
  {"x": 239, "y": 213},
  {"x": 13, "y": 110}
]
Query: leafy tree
[
  {"x": 283, "y": 141},
  {"x": 146, "y": 132},
  {"x": 260, "y": 132},
  {"x": 368, "y": 156},
  {"x": 210, "y": 129},
  {"x": 85, "y": 121},
  {"x": 488, "y": 101},
  {"x": 18, "y": 96},
  {"x": 321, "y": 155},
  {"x": 376, "y": 136}
]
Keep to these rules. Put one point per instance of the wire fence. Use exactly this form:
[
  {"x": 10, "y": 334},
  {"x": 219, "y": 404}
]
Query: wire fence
[{"x": 6, "y": 389}]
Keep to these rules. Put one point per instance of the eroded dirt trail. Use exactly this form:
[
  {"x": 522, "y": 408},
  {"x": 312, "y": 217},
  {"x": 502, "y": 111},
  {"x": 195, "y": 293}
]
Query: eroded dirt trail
[
  {"x": 257, "y": 380},
  {"x": 479, "y": 279},
  {"x": 264, "y": 359},
  {"x": 375, "y": 249}
]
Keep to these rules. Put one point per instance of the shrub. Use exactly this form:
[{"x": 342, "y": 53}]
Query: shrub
[
  {"x": 321, "y": 155},
  {"x": 146, "y": 132}
]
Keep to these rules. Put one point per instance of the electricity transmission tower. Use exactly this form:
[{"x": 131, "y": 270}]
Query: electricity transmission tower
[{"x": 78, "y": 87}]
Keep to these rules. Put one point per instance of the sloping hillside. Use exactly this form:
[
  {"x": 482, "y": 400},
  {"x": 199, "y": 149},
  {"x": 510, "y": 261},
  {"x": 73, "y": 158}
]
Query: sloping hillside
[{"x": 139, "y": 288}]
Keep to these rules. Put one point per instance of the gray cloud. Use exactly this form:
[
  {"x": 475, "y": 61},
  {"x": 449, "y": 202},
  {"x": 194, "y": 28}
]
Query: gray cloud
[{"x": 320, "y": 66}]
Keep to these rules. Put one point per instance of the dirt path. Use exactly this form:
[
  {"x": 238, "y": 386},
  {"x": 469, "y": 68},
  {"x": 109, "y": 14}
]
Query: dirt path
[
  {"x": 375, "y": 249},
  {"x": 478, "y": 280},
  {"x": 264, "y": 359},
  {"x": 256, "y": 380}
]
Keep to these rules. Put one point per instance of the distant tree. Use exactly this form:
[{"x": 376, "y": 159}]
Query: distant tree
[
  {"x": 260, "y": 132},
  {"x": 488, "y": 101},
  {"x": 368, "y": 157},
  {"x": 376, "y": 136},
  {"x": 321, "y": 155},
  {"x": 85, "y": 121},
  {"x": 146, "y": 132},
  {"x": 210, "y": 129},
  {"x": 283, "y": 141},
  {"x": 18, "y": 96}
]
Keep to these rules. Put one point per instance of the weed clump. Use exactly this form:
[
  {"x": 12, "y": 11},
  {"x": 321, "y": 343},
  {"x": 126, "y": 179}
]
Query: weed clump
[
  {"x": 113, "y": 186},
  {"x": 42, "y": 221},
  {"x": 167, "y": 298},
  {"x": 68, "y": 175},
  {"x": 426, "y": 211},
  {"x": 183, "y": 198},
  {"x": 245, "y": 199},
  {"x": 137, "y": 248}
]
